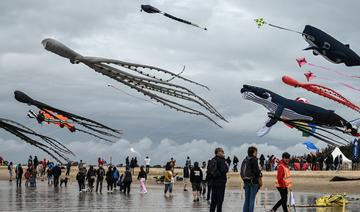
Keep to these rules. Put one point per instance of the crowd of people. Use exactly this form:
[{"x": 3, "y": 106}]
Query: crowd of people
[{"x": 207, "y": 179}]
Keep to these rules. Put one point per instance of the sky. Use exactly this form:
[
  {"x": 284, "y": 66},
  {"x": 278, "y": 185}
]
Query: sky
[{"x": 231, "y": 53}]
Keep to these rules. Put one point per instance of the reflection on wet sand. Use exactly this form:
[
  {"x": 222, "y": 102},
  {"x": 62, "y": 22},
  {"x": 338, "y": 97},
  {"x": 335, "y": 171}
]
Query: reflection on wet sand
[{"x": 46, "y": 198}]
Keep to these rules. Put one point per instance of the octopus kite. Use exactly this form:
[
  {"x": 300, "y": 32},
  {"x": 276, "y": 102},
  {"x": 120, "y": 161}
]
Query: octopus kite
[
  {"x": 150, "y": 9},
  {"x": 305, "y": 117},
  {"x": 50, "y": 146},
  {"x": 154, "y": 87},
  {"x": 51, "y": 115},
  {"x": 322, "y": 91},
  {"x": 321, "y": 43}
]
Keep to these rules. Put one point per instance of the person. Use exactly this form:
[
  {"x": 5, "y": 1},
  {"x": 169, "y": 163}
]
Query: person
[
  {"x": 19, "y": 173},
  {"x": 10, "y": 169},
  {"x": 109, "y": 179},
  {"x": 186, "y": 175},
  {"x": 250, "y": 174},
  {"x": 336, "y": 162},
  {"x": 329, "y": 162},
  {"x": 100, "y": 173},
  {"x": 27, "y": 177},
  {"x": 68, "y": 167},
  {"x": 116, "y": 176},
  {"x": 147, "y": 164},
  {"x": 80, "y": 165},
  {"x": 218, "y": 169},
  {"x": 235, "y": 163},
  {"x": 284, "y": 182},
  {"x": 209, "y": 182},
  {"x": 127, "y": 181},
  {"x": 196, "y": 177},
  {"x": 228, "y": 161},
  {"x": 100, "y": 162},
  {"x": 168, "y": 179},
  {"x": 80, "y": 177},
  {"x": 188, "y": 161},
  {"x": 127, "y": 161},
  {"x": 36, "y": 162},
  {"x": 262, "y": 162},
  {"x": 56, "y": 172},
  {"x": 90, "y": 176},
  {"x": 203, "y": 181},
  {"x": 340, "y": 162},
  {"x": 30, "y": 162},
  {"x": 132, "y": 165},
  {"x": 142, "y": 177}
]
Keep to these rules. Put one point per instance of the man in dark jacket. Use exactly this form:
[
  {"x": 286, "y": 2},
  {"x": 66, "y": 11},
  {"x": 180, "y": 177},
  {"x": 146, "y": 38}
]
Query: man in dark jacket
[
  {"x": 250, "y": 174},
  {"x": 218, "y": 171},
  {"x": 100, "y": 173},
  {"x": 56, "y": 171},
  {"x": 196, "y": 177}
]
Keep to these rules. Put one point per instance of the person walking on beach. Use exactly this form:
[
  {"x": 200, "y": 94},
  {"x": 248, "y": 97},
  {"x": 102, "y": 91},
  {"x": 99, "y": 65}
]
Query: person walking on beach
[
  {"x": 18, "y": 173},
  {"x": 127, "y": 181},
  {"x": 168, "y": 179},
  {"x": 90, "y": 176},
  {"x": 218, "y": 169},
  {"x": 100, "y": 173},
  {"x": 196, "y": 177},
  {"x": 116, "y": 176},
  {"x": 68, "y": 167},
  {"x": 36, "y": 162},
  {"x": 109, "y": 179},
  {"x": 147, "y": 164},
  {"x": 80, "y": 177},
  {"x": 186, "y": 175},
  {"x": 284, "y": 182},
  {"x": 228, "y": 161},
  {"x": 203, "y": 181},
  {"x": 235, "y": 163},
  {"x": 251, "y": 175},
  {"x": 142, "y": 177},
  {"x": 56, "y": 171},
  {"x": 262, "y": 162},
  {"x": 10, "y": 169}
]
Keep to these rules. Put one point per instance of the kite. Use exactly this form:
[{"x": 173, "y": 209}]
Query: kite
[
  {"x": 51, "y": 146},
  {"x": 302, "y": 61},
  {"x": 51, "y": 115},
  {"x": 299, "y": 115},
  {"x": 311, "y": 146},
  {"x": 152, "y": 86},
  {"x": 322, "y": 91},
  {"x": 150, "y": 9},
  {"x": 322, "y": 44}
]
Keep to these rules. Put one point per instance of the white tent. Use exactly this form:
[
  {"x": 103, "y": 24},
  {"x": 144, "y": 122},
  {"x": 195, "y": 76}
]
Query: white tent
[{"x": 346, "y": 162}]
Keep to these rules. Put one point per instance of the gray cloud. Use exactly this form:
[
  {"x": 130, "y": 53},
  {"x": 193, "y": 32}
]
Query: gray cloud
[{"x": 233, "y": 52}]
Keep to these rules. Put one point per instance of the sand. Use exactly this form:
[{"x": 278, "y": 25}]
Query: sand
[{"x": 304, "y": 181}]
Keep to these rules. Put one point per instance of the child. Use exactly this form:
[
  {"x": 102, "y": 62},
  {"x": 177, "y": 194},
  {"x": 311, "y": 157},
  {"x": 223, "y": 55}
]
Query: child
[
  {"x": 80, "y": 177},
  {"x": 142, "y": 177},
  {"x": 168, "y": 179}
]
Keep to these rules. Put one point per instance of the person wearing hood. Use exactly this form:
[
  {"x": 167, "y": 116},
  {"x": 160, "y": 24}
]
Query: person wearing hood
[{"x": 283, "y": 182}]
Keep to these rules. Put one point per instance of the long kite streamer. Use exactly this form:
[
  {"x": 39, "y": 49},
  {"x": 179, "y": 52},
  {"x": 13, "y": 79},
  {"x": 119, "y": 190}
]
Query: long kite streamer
[{"x": 49, "y": 145}]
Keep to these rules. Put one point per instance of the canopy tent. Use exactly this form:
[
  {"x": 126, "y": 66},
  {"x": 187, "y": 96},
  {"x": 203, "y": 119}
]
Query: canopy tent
[{"x": 346, "y": 161}]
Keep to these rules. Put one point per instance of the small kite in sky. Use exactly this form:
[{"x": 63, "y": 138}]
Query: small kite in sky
[{"x": 150, "y": 9}]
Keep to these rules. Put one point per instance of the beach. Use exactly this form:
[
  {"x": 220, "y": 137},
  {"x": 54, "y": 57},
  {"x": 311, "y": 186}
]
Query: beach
[{"x": 304, "y": 181}]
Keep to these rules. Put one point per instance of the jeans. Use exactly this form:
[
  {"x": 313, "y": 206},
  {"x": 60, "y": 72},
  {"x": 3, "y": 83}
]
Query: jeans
[
  {"x": 168, "y": 187},
  {"x": 127, "y": 186},
  {"x": 250, "y": 194},
  {"x": 99, "y": 182},
  {"x": 142, "y": 185},
  {"x": 217, "y": 197},
  {"x": 283, "y": 200}
]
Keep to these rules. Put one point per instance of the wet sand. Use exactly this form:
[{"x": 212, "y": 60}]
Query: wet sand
[
  {"x": 48, "y": 198},
  {"x": 304, "y": 181}
]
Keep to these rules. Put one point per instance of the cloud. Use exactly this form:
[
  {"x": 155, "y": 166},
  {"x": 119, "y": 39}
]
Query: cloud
[{"x": 160, "y": 153}]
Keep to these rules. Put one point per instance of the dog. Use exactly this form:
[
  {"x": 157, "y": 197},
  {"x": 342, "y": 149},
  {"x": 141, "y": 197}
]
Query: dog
[{"x": 64, "y": 181}]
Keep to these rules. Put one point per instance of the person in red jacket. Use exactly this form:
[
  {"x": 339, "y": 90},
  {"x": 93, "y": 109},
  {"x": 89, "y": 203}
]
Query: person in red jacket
[{"x": 283, "y": 182}]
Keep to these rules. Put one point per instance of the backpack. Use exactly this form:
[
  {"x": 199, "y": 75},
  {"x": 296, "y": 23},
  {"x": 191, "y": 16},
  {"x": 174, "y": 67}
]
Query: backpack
[
  {"x": 212, "y": 168},
  {"x": 245, "y": 171}
]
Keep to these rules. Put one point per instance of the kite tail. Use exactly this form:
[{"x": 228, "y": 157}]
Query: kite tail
[
  {"x": 335, "y": 71},
  {"x": 96, "y": 136},
  {"x": 182, "y": 20},
  {"x": 283, "y": 28}
]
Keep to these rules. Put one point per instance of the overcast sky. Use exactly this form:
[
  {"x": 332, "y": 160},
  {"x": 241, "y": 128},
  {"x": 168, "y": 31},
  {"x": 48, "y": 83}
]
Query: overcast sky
[{"x": 231, "y": 53}]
